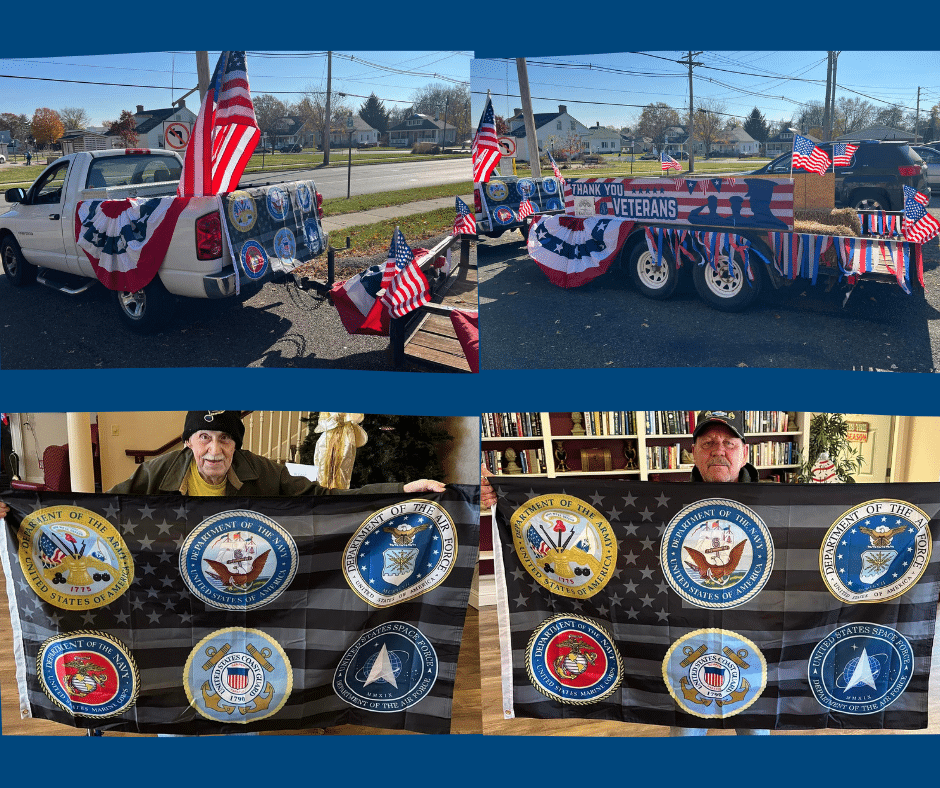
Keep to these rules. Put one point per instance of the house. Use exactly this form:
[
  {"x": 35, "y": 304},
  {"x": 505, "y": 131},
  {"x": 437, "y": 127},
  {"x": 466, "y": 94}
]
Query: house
[
  {"x": 76, "y": 140},
  {"x": 362, "y": 134},
  {"x": 878, "y": 133},
  {"x": 782, "y": 142},
  {"x": 421, "y": 128},
  {"x": 602, "y": 140},
  {"x": 169, "y": 127},
  {"x": 553, "y": 130}
]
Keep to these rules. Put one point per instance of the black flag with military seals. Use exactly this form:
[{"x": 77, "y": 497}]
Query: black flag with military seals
[
  {"x": 164, "y": 614},
  {"x": 761, "y": 606}
]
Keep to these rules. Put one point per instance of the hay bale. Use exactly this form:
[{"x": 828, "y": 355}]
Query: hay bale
[{"x": 839, "y": 221}]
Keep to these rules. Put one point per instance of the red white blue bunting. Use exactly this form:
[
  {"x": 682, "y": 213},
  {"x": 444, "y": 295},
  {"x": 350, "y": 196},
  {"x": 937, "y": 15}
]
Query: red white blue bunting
[{"x": 572, "y": 251}]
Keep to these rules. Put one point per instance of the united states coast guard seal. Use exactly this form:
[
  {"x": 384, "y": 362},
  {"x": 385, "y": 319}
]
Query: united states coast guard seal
[
  {"x": 389, "y": 668},
  {"x": 860, "y": 668},
  {"x": 73, "y": 558},
  {"x": 875, "y": 551},
  {"x": 717, "y": 553},
  {"x": 238, "y": 675},
  {"x": 565, "y": 544},
  {"x": 714, "y": 673},
  {"x": 400, "y": 552},
  {"x": 89, "y": 674},
  {"x": 238, "y": 560},
  {"x": 573, "y": 660}
]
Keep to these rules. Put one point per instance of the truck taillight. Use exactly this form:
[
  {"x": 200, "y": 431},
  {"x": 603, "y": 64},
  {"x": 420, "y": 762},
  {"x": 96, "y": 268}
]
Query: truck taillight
[
  {"x": 909, "y": 171},
  {"x": 209, "y": 236},
  {"x": 319, "y": 205},
  {"x": 477, "y": 203}
]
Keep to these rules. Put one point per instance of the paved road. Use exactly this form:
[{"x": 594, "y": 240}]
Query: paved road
[{"x": 528, "y": 323}]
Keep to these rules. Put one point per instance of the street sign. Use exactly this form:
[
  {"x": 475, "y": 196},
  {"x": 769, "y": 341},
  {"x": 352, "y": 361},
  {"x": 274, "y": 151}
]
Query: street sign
[
  {"x": 349, "y": 123},
  {"x": 176, "y": 135},
  {"x": 508, "y": 146}
]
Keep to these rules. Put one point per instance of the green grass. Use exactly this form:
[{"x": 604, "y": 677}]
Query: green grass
[
  {"x": 365, "y": 202},
  {"x": 373, "y": 239},
  {"x": 274, "y": 162}
]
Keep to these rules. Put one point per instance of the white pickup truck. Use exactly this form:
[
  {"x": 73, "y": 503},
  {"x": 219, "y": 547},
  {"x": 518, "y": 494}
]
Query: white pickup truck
[{"x": 37, "y": 233}]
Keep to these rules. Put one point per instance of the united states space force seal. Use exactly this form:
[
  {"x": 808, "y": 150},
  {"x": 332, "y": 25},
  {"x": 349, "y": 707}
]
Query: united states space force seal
[
  {"x": 238, "y": 560},
  {"x": 573, "y": 660},
  {"x": 89, "y": 674},
  {"x": 237, "y": 675},
  {"x": 714, "y": 673},
  {"x": 860, "y": 668},
  {"x": 73, "y": 558},
  {"x": 717, "y": 553},
  {"x": 875, "y": 551},
  {"x": 389, "y": 668},
  {"x": 565, "y": 544},
  {"x": 400, "y": 552}
]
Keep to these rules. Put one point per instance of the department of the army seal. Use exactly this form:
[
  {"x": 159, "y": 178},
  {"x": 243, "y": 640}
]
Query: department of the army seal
[
  {"x": 717, "y": 553},
  {"x": 389, "y": 668},
  {"x": 238, "y": 560},
  {"x": 565, "y": 544},
  {"x": 573, "y": 660},
  {"x": 237, "y": 670},
  {"x": 497, "y": 190},
  {"x": 400, "y": 552},
  {"x": 860, "y": 668},
  {"x": 714, "y": 673},
  {"x": 875, "y": 551},
  {"x": 278, "y": 203},
  {"x": 242, "y": 211},
  {"x": 89, "y": 674},
  {"x": 254, "y": 259},
  {"x": 73, "y": 558}
]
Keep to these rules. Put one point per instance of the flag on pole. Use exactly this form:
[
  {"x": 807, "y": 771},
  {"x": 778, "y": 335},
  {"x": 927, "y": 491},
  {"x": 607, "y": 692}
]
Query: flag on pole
[
  {"x": 485, "y": 148},
  {"x": 668, "y": 163},
  {"x": 842, "y": 154},
  {"x": 555, "y": 169},
  {"x": 919, "y": 225},
  {"x": 525, "y": 209},
  {"x": 225, "y": 134},
  {"x": 806, "y": 156},
  {"x": 465, "y": 223},
  {"x": 408, "y": 288}
]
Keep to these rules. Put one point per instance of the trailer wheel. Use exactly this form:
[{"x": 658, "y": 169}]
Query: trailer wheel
[
  {"x": 18, "y": 271},
  {"x": 724, "y": 291},
  {"x": 653, "y": 281},
  {"x": 148, "y": 310},
  {"x": 870, "y": 200}
]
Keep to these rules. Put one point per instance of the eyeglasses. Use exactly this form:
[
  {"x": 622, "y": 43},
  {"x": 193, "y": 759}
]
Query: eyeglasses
[{"x": 710, "y": 444}]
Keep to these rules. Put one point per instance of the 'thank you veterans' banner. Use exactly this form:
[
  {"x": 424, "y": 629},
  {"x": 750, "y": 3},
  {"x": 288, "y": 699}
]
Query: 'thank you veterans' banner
[
  {"x": 717, "y": 605},
  {"x": 164, "y": 614}
]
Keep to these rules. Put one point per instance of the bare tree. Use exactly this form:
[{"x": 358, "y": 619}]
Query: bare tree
[
  {"x": 710, "y": 124},
  {"x": 312, "y": 109},
  {"x": 655, "y": 121},
  {"x": 437, "y": 100},
  {"x": 894, "y": 117},
  {"x": 73, "y": 118},
  {"x": 269, "y": 111},
  {"x": 852, "y": 114},
  {"x": 811, "y": 118}
]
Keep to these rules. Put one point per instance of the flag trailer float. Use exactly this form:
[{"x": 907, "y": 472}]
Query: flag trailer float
[
  {"x": 112, "y": 216},
  {"x": 497, "y": 203},
  {"x": 736, "y": 234}
]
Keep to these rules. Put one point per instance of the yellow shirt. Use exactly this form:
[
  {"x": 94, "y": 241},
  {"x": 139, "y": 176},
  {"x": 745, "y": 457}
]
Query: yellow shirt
[{"x": 196, "y": 485}]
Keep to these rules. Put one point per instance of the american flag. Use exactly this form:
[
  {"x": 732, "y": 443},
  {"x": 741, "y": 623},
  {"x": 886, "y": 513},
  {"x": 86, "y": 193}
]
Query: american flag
[
  {"x": 408, "y": 288},
  {"x": 919, "y": 226},
  {"x": 555, "y": 169},
  {"x": 465, "y": 223},
  {"x": 842, "y": 154},
  {"x": 486, "y": 153},
  {"x": 668, "y": 163},
  {"x": 225, "y": 134},
  {"x": 806, "y": 156},
  {"x": 525, "y": 209}
]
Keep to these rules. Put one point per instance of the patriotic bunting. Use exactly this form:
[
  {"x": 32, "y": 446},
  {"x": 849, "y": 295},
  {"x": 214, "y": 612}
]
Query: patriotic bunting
[{"x": 572, "y": 251}]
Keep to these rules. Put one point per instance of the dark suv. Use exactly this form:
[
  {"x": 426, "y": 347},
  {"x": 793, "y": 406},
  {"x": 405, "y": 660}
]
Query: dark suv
[{"x": 875, "y": 177}]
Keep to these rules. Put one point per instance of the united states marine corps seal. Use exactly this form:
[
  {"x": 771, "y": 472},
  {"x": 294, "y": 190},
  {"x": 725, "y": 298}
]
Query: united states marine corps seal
[
  {"x": 238, "y": 560},
  {"x": 400, "y": 552},
  {"x": 242, "y": 210},
  {"x": 573, "y": 660},
  {"x": 389, "y": 668},
  {"x": 714, "y": 673},
  {"x": 73, "y": 558},
  {"x": 565, "y": 544},
  {"x": 860, "y": 668},
  {"x": 717, "y": 553},
  {"x": 89, "y": 674},
  {"x": 237, "y": 675},
  {"x": 875, "y": 551}
]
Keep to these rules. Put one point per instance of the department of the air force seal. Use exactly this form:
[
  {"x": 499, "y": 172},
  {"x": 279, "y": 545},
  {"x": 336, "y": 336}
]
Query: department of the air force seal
[
  {"x": 388, "y": 669},
  {"x": 572, "y": 659},
  {"x": 504, "y": 215},
  {"x": 278, "y": 202},
  {"x": 304, "y": 198},
  {"x": 254, "y": 259},
  {"x": 312, "y": 236},
  {"x": 400, "y": 552},
  {"x": 285, "y": 245},
  {"x": 238, "y": 560},
  {"x": 554, "y": 204},
  {"x": 242, "y": 210},
  {"x": 565, "y": 544},
  {"x": 875, "y": 551},
  {"x": 860, "y": 668},
  {"x": 497, "y": 190},
  {"x": 714, "y": 673},
  {"x": 549, "y": 186},
  {"x": 89, "y": 674},
  {"x": 73, "y": 558},
  {"x": 237, "y": 675},
  {"x": 716, "y": 553}
]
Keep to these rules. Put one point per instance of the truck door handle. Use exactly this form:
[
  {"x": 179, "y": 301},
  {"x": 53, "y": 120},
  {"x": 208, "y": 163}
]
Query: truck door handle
[{"x": 54, "y": 216}]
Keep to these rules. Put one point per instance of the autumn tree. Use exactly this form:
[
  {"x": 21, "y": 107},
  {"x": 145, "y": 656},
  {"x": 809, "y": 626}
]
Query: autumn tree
[
  {"x": 709, "y": 125},
  {"x": 655, "y": 121},
  {"x": 269, "y": 111},
  {"x": 74, "y": 118},
  {"x": 374, "y": 113},
  {"x": 46, "y": 126},
  {"x": 124, "y": 127},
  {"x": 312, "y": 109},
  {"x": 17, "y": 125}
]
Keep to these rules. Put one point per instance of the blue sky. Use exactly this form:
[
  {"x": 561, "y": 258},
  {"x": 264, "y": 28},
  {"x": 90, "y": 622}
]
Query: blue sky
[
  {"x": 284, "y": 74},
  {"x": 882, "y": 77}
]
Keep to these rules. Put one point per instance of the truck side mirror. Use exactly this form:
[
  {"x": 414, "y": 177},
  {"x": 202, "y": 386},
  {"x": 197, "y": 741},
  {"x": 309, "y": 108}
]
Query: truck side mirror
[{"x": 15, "y": 195}]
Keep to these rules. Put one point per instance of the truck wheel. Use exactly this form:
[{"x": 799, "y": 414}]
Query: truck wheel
[
  {"x": 653, "y": 281},
  {"x": 18, "y": 271},
  {"x": 726, "y": 292},
  {"x": 148, "y": 310},
  {"x": 870, "y": 200}
]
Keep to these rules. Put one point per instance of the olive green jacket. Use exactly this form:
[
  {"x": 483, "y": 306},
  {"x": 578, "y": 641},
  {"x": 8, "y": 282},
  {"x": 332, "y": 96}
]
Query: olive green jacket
[{"x": 250, "y": 475}]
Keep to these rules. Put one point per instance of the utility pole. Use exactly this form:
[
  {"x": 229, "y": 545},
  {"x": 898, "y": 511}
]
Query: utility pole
[
  {"x": 531, "y": 140},
  {"x": 202, "y": 73},
  {"x": 327, "y": 122},
  {"x": 917, "y": 114},
  {"x": 827, "y": 117},
  {"x": 688, "y": 61},
  {"x": 832, "y": 108}
]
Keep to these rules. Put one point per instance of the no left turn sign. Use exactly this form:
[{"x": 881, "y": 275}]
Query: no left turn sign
[
  {"x": 507, "y": 145},
  {"x": 176, "y": 135}
]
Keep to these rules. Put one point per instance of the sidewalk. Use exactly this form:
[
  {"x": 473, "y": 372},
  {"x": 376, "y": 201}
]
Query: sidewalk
[{"x": 336, "y": 223}]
